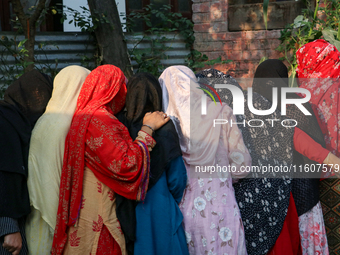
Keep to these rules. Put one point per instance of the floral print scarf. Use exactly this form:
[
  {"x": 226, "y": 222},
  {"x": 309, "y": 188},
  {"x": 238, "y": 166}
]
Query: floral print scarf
[{"x": 320, "y": 59}]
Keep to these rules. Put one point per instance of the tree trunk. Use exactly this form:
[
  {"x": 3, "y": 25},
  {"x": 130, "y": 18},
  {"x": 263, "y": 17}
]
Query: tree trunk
[
  {"x": 110, "y": 37},
  {"x": 29, "y": 23},
  {"x": 29, "y": 45}
]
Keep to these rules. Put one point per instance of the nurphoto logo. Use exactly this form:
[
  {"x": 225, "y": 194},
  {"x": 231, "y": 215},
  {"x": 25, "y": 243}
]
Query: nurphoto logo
[
  {"x": 238, "y": 104},
  {"x": 238, "y": 100}
]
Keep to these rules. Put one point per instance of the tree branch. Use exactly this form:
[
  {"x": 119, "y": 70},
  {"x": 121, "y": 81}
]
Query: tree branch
[
  {"x": 35, "y": 16},
  {"x": 19, "y": 11}
]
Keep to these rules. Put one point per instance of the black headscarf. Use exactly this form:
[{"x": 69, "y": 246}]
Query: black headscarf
[
  {"x": 273, "y": 73},
  {"x": 263, "y": 202},
  {"x": 24, "y": 102},
  {"x": 144, "y": 94}
]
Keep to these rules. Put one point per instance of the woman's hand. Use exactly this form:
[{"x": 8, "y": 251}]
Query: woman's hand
[
  {"x": 333, "y": 160},
  {"x": 13, "y": 243},
  {"x": 155, "y": 119}
]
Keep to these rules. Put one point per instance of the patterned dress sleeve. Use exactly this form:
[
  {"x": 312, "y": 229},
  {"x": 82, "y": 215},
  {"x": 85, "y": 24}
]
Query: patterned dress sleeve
[
  {"x": 146, "y": 139},
  {"x": 146, "y": 143},
  {"x": 116, "y": 160},
  {"x": 8, "y": 226},
  {"x": 238, "y": 156}
]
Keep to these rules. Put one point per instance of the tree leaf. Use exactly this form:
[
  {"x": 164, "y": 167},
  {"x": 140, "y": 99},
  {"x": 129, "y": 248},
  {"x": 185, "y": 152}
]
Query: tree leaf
[
  {"x": 263, "y": 59},
  {"x": 265, "y": 12},
  {"x": 22, "y": 43},
  {"x": 329, "y": 36}
]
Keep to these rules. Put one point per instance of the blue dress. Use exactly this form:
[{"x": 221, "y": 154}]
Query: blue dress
[{"x": 159, "y": 227}]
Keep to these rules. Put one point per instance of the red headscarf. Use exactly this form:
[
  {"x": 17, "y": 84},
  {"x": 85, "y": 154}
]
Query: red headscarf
[
  {"x": 320, "y": 59},
  {"x": 99, "y": 141}
]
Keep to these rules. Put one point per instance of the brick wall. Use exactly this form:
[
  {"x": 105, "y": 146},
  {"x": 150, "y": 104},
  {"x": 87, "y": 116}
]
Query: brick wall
[{"x": 245, "y": 49}]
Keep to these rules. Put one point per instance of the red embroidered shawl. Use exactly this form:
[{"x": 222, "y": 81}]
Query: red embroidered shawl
[
  {"x": 99, "y": 141},
  {"x": 320, "y": 59}
]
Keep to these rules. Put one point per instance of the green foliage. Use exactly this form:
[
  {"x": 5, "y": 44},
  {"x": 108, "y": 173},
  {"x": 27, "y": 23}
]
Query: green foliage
[
  {"x": 199, "y": 60},
  {"x": 160, "y": 22},
  {"x": 10, "y": 72},
  {"x": 323, "y": 22},
  {"x": 13, "y": 63},
  {"x": 86, "y": 21},
  {"x": 263, "y": 59},
  {"x": 13, "y": 53}
]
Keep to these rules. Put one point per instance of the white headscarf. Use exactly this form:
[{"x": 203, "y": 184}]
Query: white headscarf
[
  {"x": 48, "y": 142},
  {"x": 200, "y": 142}
]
